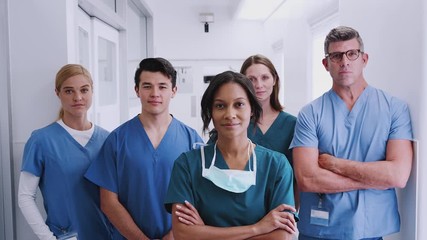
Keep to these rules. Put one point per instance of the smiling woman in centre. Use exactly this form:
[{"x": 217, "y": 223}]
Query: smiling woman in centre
[{"x": 231, "y": 189}]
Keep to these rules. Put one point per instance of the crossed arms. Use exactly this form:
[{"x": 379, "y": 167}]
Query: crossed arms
[
  {"x": 277, "y": 224},
  {"x": 325, "y": 173}
]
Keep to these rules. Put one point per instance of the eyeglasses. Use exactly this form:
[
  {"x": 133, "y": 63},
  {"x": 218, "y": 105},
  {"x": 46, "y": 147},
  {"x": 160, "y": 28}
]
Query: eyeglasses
[{"x": 351, "y": 54}]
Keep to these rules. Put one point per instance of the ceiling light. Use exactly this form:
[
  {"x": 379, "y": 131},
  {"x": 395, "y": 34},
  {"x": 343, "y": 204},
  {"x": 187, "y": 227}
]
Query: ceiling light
[{"x": 257, "y": 9}]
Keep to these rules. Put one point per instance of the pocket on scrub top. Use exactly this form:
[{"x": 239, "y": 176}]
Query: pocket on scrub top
[{"x": 61, "y": 231}]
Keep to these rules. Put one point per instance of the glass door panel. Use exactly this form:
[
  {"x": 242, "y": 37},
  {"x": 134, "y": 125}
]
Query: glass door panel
[
  {"x": 84, "y": 31},
  {"x": 106, "y": 72},
  {"x": 106, "y": 75}
]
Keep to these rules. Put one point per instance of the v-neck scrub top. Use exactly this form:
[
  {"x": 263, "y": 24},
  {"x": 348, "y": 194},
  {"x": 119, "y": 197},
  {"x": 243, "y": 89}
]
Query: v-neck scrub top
[
  {"x": 70, "y": 201},
  {"x": 359, "y": 135},
  {"x": 278, "y": 137},
  {"x": 129, "y": 166},
  {"x": 221, "y": 208}
]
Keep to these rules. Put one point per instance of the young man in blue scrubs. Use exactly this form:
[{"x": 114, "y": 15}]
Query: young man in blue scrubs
[
  {"x": 135, "y": 163},
  {"x": 351, "y": 149}
]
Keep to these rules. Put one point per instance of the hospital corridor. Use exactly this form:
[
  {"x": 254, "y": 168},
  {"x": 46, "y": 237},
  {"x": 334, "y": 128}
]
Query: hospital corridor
[{"x": 200, "y": 39}]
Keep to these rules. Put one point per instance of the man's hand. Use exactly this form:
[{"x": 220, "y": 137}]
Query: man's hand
[{"x": 327, "y": 162}]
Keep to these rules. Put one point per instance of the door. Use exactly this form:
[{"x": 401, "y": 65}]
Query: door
[
  {"x": 105, "y": 74},
  {"x": 84, "y": 54},
  {"x": 98, "y": 52}
]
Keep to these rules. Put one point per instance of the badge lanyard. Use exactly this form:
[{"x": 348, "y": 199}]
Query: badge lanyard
[{"x": 319, "y": 214}]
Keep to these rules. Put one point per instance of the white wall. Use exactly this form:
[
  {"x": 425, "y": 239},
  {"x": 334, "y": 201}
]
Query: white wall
[
  {"x": 294, "y": 35},
  {"x": 421, "y": 134},
  {"x": 38, "y": 48},
  {"x": 6, "y": 194}
]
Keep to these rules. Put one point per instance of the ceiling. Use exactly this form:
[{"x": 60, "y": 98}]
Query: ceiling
[{"x": 262, "y": 10}]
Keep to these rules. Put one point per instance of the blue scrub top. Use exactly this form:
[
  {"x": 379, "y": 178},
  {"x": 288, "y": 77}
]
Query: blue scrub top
[
  {"x": 359, "y": 135},
  {"x": 278, "y": 137},
  {"x": 129, "y": 165},
  {"x": 71, "y": 202},
  {"x": 221, "y": 208}
]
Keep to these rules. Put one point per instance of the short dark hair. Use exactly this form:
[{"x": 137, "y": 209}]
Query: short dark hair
[
  {"x": 156, "y": 65},
  {"x": 260, "y": 59},
  {"x": 216, "y": 83},
  {"x": 342, "y": 33}
]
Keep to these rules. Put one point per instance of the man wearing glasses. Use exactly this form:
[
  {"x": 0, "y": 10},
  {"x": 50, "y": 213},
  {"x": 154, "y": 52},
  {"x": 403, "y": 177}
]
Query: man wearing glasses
[{"x": 351, "y": 148}]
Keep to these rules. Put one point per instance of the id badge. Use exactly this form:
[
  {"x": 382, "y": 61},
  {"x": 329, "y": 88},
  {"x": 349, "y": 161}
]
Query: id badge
[
  {"x": 319, "y": 216},
  {"x": 68, "y": 236}
]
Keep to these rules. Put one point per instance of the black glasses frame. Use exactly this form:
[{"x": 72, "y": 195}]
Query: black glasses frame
[{"x": 337, "y": 56}]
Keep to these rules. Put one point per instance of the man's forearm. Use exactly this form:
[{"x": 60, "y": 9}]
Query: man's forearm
[{"x": 375, "y": 175}]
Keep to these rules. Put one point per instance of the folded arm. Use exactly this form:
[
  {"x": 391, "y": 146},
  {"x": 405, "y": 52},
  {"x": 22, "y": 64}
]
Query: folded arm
[
  {"x": 327, "y": 174},
  {"x": 119, "y": 216},
  {"x": 277, "y": 224},
  {"x": 393, "y": 172},
  {"x": 312, "y": 178}
]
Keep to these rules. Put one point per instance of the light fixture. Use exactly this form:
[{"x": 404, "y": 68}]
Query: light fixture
[
  {"x": 206, "y": 18},
  {"x": 258, "y": 10}
]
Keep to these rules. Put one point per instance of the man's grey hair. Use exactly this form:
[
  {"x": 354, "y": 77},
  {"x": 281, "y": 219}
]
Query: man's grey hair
[{"x": 342, "y": 33}]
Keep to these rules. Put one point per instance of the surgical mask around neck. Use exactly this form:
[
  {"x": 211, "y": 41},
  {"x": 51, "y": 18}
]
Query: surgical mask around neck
[{"x": 232, "y": 180}]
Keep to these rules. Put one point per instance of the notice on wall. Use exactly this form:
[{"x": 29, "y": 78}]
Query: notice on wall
[{"x": 184, "y": 79}]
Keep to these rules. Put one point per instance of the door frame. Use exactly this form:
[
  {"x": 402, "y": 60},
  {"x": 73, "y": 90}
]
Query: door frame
[{"x": 7, "y": 199}]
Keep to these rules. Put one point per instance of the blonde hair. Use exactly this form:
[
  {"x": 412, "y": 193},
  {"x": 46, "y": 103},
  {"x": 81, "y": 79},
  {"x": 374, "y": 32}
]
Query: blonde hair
[{"x": 67, "y": 71}]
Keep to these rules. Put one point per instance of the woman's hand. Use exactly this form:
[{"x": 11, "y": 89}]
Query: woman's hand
[
  {"x": 188, "y": 214},
  {"x": 280, "y": 217}
]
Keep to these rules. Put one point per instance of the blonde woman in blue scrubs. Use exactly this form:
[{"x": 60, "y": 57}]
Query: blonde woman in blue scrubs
[
  {"x": 55, "y": 160},
  {"x": 233, "y": 188}
]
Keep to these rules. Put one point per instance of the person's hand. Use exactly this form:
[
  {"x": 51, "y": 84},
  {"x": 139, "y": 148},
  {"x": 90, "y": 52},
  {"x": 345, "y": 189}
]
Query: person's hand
[
  {"x": 280, "y": 217},
  {"x": 188, "y": 214},
  {"x": 168, "y": 236},
  {"x": 327, "y": 161}
]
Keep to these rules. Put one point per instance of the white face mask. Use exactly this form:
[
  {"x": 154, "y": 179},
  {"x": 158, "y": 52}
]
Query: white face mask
[{"x": 236, "y": 181}]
